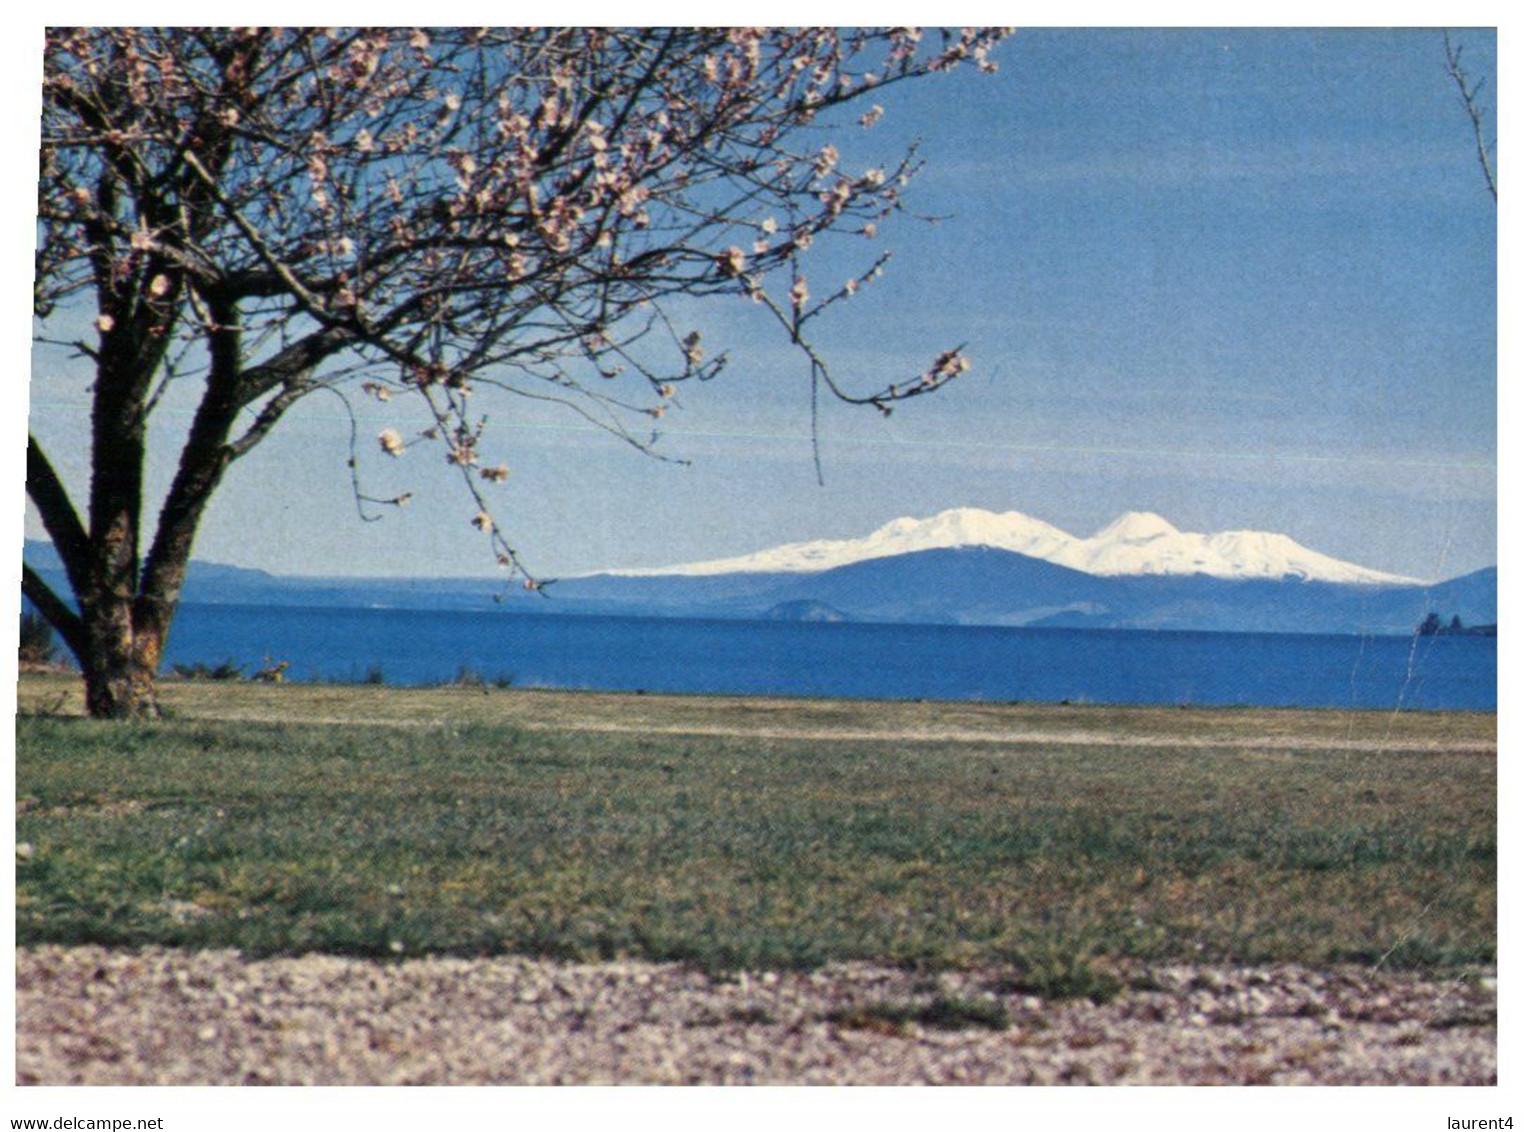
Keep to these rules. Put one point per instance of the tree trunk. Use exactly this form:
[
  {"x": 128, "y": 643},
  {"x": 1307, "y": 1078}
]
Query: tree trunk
[{"x": 120, "y": 661}]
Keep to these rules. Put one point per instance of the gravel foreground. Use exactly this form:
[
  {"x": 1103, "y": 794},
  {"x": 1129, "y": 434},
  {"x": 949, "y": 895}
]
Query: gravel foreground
[{"x": 93, "y": 1016}]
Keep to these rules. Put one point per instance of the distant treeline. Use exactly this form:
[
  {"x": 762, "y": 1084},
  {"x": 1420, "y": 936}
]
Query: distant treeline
[{"x": 1434, "y": 626}]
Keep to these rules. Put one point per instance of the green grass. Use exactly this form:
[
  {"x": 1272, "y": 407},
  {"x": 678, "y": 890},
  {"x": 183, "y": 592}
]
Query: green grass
[{"x": 757, "y": 833}]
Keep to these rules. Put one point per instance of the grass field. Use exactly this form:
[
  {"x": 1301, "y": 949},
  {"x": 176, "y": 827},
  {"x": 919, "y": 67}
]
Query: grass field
[{"x": 756, "y": 832}]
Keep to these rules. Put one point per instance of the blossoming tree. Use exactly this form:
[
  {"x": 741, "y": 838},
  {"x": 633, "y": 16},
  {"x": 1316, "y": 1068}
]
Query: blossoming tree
[{"x": 443, "y": 215}]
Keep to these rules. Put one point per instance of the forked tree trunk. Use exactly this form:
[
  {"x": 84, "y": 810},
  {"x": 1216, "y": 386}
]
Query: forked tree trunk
[{"x": 125, "y": 605}]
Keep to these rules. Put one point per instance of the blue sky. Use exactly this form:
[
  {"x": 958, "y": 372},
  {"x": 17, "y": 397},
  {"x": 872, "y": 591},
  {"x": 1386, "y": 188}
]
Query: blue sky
[{"x": 1242, "y": 278}]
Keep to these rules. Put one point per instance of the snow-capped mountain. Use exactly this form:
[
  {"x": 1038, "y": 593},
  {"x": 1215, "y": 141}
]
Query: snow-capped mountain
[{"x": 1137, "y": 543}]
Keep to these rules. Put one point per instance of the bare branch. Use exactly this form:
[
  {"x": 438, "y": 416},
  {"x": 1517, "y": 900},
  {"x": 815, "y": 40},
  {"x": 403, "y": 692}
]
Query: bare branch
[{"x": 1469, "y": 94}]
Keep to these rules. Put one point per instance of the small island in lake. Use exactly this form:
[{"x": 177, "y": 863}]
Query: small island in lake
[
  {"x": 1433, "y": 626},
  {"x": 804, "y": 610}
]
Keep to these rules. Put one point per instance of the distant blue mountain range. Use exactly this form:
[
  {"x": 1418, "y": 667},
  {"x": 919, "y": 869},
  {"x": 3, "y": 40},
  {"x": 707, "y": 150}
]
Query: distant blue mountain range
[{"x": 963, "y": 585}]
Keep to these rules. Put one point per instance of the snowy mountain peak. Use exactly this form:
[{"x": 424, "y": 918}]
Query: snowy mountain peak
[
  {"x": 1136, "y": 543},
  {"x": 970, "y": 526},
  {"x": 1136, "y": 526}
]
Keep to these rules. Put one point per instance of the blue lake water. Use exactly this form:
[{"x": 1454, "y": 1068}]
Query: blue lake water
[{"x": 855, "y": 660}]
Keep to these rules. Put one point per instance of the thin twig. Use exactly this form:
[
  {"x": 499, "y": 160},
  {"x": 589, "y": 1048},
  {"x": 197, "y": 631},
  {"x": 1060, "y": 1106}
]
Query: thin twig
[{"x": 1468, "y": 95}]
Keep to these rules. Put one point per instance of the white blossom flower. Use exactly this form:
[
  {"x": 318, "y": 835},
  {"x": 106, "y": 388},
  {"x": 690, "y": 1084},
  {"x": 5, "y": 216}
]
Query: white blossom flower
[{"x": 391, "y": 442}]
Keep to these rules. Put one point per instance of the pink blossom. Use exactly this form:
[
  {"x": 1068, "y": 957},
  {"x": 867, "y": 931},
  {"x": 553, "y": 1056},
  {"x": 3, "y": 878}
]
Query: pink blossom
[{"x": 733, "y": 261}]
